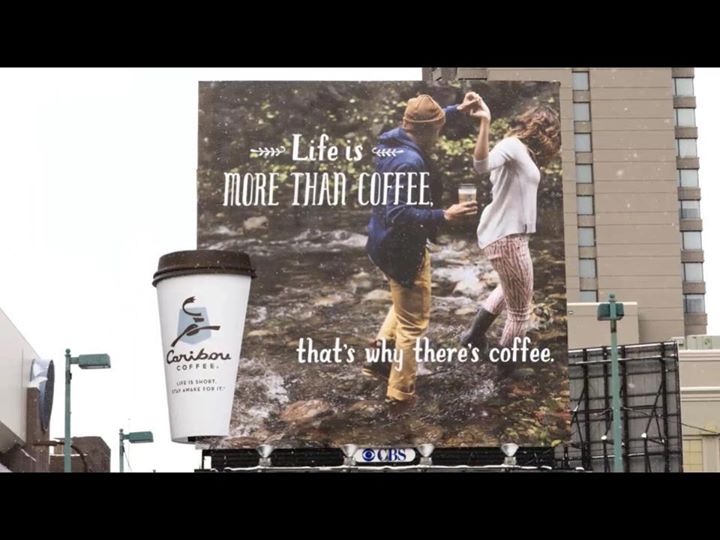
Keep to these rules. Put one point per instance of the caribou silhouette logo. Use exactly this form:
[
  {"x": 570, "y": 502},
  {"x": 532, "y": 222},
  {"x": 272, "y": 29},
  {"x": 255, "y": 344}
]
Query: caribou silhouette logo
[{"x": 198, "y": 321}]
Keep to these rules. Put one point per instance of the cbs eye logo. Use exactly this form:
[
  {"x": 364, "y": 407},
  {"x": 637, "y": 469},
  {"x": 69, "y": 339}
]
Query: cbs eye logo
[{"x": 368, "y": 454}]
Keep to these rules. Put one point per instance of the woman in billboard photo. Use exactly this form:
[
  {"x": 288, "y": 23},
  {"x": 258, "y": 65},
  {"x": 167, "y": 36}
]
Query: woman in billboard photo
[{"x": 507, "y": 222}]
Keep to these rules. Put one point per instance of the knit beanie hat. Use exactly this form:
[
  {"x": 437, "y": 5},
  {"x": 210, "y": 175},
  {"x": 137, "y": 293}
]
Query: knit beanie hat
[{"x": 422, "y": 111}]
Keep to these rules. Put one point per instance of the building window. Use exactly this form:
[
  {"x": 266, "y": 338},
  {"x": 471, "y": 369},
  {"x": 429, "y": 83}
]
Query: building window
[
  {"x": 685, "y": 117},
  {"x": 692, "y": 240},
  {"x": 581, "y": 112},
  {"x": 588, "y": 296},
  {"x": 584, "y": 174},
  {"x": 588, "y": 268},
  {"x": 581, "y": 80},
  {"x": 694, "y": 303},
  {"x": 688, "y": 178},
  {"x": 692, "y": 456},
  {"x": 686, "y": 148},
  {"x": 693, "y": 272},
  {"x": 586, "y": 236},
  {"x": 683, "y": 86},
  {"x": 585, "y": 205},
  {"x": 583, "y": 142},
  {"x": 689, "y": 209}
]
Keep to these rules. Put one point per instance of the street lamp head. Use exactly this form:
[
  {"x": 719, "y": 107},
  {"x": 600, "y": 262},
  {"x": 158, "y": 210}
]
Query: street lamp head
[
  {"x": 349, "y": 450},
  {"x": 93, "y": 361},
  {"x": 139, "y": 437},
  {"x": 426, "y": 449},
  {"x": 509, "y": 449}
]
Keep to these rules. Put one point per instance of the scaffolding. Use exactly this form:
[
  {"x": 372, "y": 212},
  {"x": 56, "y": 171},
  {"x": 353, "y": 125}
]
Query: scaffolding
[{"x": 650, "y": 396}]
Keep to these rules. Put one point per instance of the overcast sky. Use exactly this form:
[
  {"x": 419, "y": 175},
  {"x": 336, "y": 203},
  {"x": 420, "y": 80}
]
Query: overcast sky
[
  {"x": 97, "y": 172},
  {"x": 97, "y": 180}
]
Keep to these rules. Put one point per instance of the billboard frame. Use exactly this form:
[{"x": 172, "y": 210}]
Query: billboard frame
[{"x": 660, "y": 450}]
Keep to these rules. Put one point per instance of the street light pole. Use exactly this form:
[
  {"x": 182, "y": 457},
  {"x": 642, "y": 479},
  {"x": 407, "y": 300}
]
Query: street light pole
[
  {"x": 132, "y": 437},
  {"x": 615, "y": 372},
  {"x": 613, "y": 311},
  {"x": 67, "y": 463},
  {"x": 122, "y": 451},
  {"x": 84, "y": 361}
]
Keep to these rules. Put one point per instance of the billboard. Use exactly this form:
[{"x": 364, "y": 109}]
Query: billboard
[{"x": 408, "y": 241}]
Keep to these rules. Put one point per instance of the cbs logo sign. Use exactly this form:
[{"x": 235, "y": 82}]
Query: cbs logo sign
[{"x": 385, "y": 455}]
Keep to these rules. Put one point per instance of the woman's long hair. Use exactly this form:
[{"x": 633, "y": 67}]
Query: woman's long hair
[{"x": 538, "y": 127}]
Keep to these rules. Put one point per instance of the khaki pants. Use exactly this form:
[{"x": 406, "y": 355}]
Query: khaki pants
[{"x": 407, "y": 321}]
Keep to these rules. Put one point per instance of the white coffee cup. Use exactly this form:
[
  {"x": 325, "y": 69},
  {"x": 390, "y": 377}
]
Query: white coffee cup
[
  {"x": 202, "y": 298},
  {"x": 467, "y": 193}
]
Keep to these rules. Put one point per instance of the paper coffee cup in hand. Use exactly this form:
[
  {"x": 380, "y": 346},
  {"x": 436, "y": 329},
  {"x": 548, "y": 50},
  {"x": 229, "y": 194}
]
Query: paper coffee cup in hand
[{"x": 467, "y": 193}]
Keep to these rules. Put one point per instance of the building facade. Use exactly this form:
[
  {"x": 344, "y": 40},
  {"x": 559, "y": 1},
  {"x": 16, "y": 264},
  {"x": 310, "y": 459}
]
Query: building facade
[
  {"x": 631, "y": 193},
  {"x": 22, "y": 435},
  {"x": 700, "y": 402},
  {"x": 26, "y": 403}
]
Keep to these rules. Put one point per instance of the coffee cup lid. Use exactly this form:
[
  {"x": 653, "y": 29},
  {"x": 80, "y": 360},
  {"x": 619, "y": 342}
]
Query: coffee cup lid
[{"x": 203, "y": 261}]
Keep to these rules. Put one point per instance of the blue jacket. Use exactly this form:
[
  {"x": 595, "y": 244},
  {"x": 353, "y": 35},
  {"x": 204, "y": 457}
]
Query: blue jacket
[{"x": 398, "y": 233}]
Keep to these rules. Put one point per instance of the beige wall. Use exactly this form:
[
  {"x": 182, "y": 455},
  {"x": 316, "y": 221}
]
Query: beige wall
[
  {"x": 700, "y": 403},
  {"x": 16, "y": 356},
  {"x": 635, "y": 142},
  {"x": 585, "y": 331}
]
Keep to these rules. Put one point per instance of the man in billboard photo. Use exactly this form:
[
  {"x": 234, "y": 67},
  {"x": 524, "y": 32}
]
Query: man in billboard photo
[
  {"x": 398, "y": 236},
  {"x": 508, "y": 221}
]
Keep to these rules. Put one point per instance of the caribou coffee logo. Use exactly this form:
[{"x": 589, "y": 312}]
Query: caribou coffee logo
[{"x": 193, "y": 326}]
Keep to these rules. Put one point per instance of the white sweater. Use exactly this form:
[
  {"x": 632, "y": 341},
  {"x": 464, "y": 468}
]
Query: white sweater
[{"x": 515, "y": 178}]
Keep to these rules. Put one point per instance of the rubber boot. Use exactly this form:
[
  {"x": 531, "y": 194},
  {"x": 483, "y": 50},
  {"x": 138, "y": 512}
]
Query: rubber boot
[
  {"x": 379, "y": 370},
  {"x": 475, "y": 335}
]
